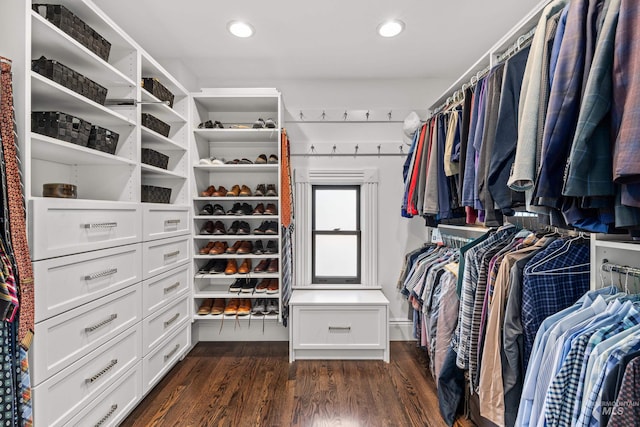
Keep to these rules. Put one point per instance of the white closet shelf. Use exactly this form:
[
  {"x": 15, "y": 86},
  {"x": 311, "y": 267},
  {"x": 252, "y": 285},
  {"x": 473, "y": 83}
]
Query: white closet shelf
[
  {"x": 236, "y": 237},
  {"x": 159, "y": 110},
  {"x": 152, "y": 139},
  {"x": 49, "y": 41},
  {"x": 221, "y": 291},
  {"x": 150, "y": 68},
  {"x": 157, "y": 172},
  {"x": 219, "y": 317},
  {"x": 237, "y": 168},
  {"x": 48, "y": 95},
  {"x": 234, "y": 101},
  {"x": 238, "y": 217},
  {"x": 238, "y": 276},
  {"x": 237, "y": 199},
  {"x": 618, "y": 244},
  {"x": 54, "y": 150},
  {"x": 236, "y": 256},
  {"x": 235, "y": 136}
]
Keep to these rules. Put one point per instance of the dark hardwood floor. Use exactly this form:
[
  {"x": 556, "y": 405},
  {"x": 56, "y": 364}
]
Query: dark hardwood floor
[{"x": 253, "y": 384}]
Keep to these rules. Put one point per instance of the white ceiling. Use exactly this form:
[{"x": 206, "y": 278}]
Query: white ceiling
[{"x": 324, "y": 39}]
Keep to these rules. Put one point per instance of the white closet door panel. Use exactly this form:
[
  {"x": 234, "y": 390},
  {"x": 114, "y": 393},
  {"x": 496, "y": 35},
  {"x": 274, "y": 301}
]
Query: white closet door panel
[
  {"x": 59, "y": 398},
  {"x": 113, "y": 405},
  {"x": 164, "y": 288},
  {"x": 160, "y": 222},
  {"x": 68, "y": 282},
  {"x": 63, "y": 339},
  {"x": 163, "y": 255},
  {"x": 158, "y": 326},
  {"x": 159, "y": 361},
  {"x": 63, "y": 227}
]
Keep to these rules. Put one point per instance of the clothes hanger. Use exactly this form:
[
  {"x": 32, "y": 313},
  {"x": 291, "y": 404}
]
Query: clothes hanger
[{"x": 564, "y": 249}]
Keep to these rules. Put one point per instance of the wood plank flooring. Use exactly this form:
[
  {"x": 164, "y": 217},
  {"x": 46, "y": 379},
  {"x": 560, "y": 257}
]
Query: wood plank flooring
[{"x": 253, "y": 384}]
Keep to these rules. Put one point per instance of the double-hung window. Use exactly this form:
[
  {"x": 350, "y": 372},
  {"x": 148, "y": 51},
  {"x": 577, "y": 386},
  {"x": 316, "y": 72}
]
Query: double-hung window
[{"x": 336, "y": 244}]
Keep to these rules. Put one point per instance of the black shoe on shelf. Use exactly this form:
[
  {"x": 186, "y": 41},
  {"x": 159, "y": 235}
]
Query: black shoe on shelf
[
  {"x": 235, "y": 210},
  {"x": 246, "y": 209},
  {"x": 234, "y": 228},
  {"x": 244, "y": 228},
  {"x": 208, "y": 266},
  {"x": 207, "y": 209},
  {"x": 262, "y": 228},
  {"x": 218, "y": 210},
  {"x": 236, "y": 286},
  {"x": 218, "y": 267},
  {"x": 258, "y": 249},
  {"x": 272, "y": 247},
  {"x": 272, "y": 227},
  {"x": 249, "y": 285}
]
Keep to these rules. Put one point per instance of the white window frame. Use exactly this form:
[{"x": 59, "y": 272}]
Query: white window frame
[{"x": 367, "y": 179}]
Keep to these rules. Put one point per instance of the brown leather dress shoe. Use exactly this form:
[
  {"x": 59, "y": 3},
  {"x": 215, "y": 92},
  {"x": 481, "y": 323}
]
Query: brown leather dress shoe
[
  {"x": 262, "y": 266},
  {"x": 244, "y": 308},
  {"x": 245, "y": 248},
  {"x": 205, "y": 250},
  {"x": 273, "y": 266},
  {"x": 232, "y": 267},
  {"x": 245, "y": 191},
  {"x": 272, "y": 288},
  {"x": 234, "y": 192},
  {"x": 221, "y": 192},
  {"x": 208, "y": 192},
  {"x": 263, "y": 286},
  {"x": 232, "y": 306},
  {"x": 219, "y": 248},
  {"x": 218, "y": 306},
  {"x": 233, "y": 249},
  {"x": 245, "y": 267},
  {"x": 271, "y": 209},
  {"x": 205, "y": 307},
  {"x": 259, "y": 210}
]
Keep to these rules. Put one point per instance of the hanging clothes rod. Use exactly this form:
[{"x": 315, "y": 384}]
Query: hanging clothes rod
[
  {"x": 622, "y": 269},
  {"x": 334, "y": 153}
]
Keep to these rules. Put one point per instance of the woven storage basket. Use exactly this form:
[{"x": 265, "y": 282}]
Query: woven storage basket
[
  {"x": 102, "y": 139},
  {"x": 61, "y": 126},
  {"x": 155, "y": 124},
  {"x": 70, "y": 79},
  {"x": 154, "y": 158},
  {"x": 64, "y": 19},
  {"x": 156, "y": 88},
  {"x": 153, "y": 194}
]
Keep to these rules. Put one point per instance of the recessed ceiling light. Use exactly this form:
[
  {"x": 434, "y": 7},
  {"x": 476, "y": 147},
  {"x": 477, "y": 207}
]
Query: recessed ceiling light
[
  {"x": 391, "y": 28},
  {"x": 240, "y": 29}
]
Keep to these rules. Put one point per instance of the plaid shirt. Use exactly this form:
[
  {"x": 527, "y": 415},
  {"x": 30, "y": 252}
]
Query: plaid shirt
[
  {"x": 544, "y": 294},
  {"x": 627, "y": 415}
]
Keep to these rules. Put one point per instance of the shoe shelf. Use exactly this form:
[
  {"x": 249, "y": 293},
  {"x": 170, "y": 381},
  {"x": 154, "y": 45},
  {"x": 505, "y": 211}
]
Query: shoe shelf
[
  {"x": 236, "y": 256},
  {"x": 48, "y": 95},
  {"x": 153, "y": 105},
  {"x": 238, "y": 217},
  {"x": 237, "y": 168},
  {"x": 213, "y": 292},
  {"x": 152, "y": 139},
  {"x": 242, "y": 136},
  {"x": 237, "y": 236},
  {"x": 49, "y": 41},
  {"x": 54, "y": 150},
  {"x": 237, "y": 199},
  {"x": 238, "y": 276},
  {"x": 270, "y": 317}
]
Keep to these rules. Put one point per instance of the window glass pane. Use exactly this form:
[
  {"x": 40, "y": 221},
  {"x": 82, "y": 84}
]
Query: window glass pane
[
  {"x": 336, "y": 256},
  {"x": 336, "y": 209}
]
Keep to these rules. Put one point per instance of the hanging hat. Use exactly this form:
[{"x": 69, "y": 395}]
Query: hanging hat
[{"x": 411, "y": 124}]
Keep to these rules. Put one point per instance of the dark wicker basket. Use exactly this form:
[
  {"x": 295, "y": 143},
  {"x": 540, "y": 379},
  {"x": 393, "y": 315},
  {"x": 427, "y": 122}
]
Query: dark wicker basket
[
  {"x": 64, "y": 19},
  {"x": 154, "y": 158},
  {"x": 70, "y": 79},
  {"x": 102, "y": 139},
  {"x": 61, "y": 126},
  {"x": 152, "y": 194},
  {"x": 155, "y": 124},
  {"x": 153, "y": 86}
]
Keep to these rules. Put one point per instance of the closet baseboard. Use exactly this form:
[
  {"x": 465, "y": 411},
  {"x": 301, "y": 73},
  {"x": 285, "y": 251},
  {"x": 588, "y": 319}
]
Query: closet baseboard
[{"x": 401, "y": 330}]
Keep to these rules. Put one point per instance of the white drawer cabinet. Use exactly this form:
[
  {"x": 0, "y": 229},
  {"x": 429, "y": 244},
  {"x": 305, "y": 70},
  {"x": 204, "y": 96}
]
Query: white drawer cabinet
[
  {"x": 345, "y": 324},
  {"x": 63, "y": 339},
  {"x": 62, "y": 227},
  {"x": 159, "y": 361},
  {"x": 159, "y": 222},
  {"x": 158, "y": 326},
  {"x": 111, "y": 406},
  {"x": 163, "y": 255},
  {"x": 67, "y": 282},
  {"x": 59, "y": 398},
  {"x": 164, "y": 288}
]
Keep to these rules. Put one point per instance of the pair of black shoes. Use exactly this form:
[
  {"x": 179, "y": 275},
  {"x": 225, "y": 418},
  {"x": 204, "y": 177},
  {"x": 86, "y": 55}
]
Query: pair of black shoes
[
  {"x": 215, "y": 266},
  {"x": 243, "y": 285},
  {"x": 259, "y": 249},
  {"x": 240, "y": 209},
  {"x": 239, "y": 227},
  {"x": 210, "y": 209},
  {"x": 267, "y": 227},
  {"x": 210, "y": 125}
]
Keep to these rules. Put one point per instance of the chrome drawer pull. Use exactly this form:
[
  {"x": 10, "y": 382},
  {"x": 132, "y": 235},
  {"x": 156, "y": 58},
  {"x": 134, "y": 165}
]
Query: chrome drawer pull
[
  {"x": 101, "y": 324},
  {"x": 106, "y": 369},
  {"x": 173, "y": 319},
  {"x": 106, "y": 417},
  {"x": 100, "y": 274},
  {"x": 100, "y": 225},
  {"x": 339, "y": 328},
  {"x": 172, "y": 287},
  {"x": 172, "y": 221},
  {"x": 171, "y": 353},
  {"x": 170, "y": 254}
]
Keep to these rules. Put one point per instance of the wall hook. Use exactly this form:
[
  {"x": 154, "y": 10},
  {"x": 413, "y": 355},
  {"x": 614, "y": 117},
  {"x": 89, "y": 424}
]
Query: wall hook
[
  {"x": 333, "y": 151},
  {"x": 401, "y": 149},
  {"x": 324, "y": 115},
  {"x": 301, "y": 115},
  {"x": 367, "y": 115},
  {"x": 345, "y": 115},
  {"x": 389, "y": 115},
  {"x": 356, "y": 152},
  {"x": 379, "y": 150}
]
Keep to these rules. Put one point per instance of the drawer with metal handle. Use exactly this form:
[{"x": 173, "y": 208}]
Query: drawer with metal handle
[
  {"x": 163, "y": 255},
  {"x": 159, "y": 222},
  {"x": 158, "y": 362},
  {"x": 63, "y": 339},
  {"x": 161, "y": 324},
  {"x": 163, "y": 289}
]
